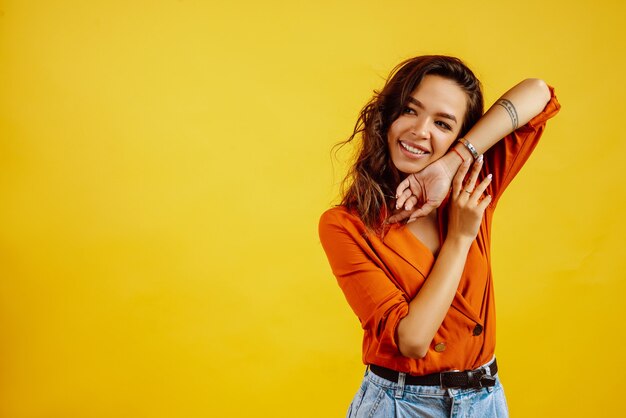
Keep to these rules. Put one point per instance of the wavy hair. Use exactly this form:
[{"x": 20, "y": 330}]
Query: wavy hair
[{"x": 369, "y": 186}]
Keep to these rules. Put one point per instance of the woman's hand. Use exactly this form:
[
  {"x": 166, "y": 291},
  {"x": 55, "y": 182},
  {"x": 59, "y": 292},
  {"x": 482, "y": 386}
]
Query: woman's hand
[
  {"x": 426, "y": 188},
  {"x": 467, "y": 202}
]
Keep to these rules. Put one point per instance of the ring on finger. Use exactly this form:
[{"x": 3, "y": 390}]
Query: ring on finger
[{"x": 467, "y": 191}]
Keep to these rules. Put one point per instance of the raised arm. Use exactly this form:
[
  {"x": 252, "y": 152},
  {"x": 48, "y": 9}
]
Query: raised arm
[
  {"x": 515, "y": 108},
  {"x": 429, "y": 187}
]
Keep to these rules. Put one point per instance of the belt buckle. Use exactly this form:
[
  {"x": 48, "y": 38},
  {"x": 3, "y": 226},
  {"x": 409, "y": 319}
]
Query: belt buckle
[
  {"x": 475, "y": 379},
  {"x": 480, "y": 379},
  {"x": 486, "y": 381}
]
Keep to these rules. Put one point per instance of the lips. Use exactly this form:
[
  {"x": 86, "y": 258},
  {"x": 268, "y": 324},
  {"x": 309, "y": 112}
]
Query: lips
[{"x": 414, "y": 150}]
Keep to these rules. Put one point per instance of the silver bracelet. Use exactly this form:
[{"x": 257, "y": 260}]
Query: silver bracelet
[{"x": 469, "y": 147}]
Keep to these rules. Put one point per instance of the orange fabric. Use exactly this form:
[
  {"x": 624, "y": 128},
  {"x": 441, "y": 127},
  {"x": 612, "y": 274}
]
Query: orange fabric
[{"x": 380, "y": 276}]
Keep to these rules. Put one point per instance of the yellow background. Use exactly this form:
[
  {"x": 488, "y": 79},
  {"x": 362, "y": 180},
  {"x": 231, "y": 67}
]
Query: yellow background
[{"x": 163, "y": 165}]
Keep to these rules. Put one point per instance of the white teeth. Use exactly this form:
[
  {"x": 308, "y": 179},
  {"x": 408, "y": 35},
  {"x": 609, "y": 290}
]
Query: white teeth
[{"x": 412, "y": 149}]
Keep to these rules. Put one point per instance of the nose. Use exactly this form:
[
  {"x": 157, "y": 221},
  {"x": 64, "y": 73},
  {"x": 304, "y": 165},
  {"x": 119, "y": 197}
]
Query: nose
[{"x": 420, "y": 129}]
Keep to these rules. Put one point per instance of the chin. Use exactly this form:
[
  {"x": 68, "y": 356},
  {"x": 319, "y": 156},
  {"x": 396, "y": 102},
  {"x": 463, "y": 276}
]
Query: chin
[{"x": 405, "y": 167}]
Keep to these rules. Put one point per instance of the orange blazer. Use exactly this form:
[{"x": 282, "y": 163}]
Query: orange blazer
[{"x": 379, "y": 276}]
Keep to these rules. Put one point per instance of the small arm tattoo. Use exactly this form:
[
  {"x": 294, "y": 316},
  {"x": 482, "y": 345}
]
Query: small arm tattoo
[{"x": 508, "y": 106}]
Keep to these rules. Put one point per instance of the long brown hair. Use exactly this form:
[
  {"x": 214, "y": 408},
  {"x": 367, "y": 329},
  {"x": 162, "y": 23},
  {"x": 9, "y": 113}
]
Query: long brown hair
[{"x": 370, "y": 184}]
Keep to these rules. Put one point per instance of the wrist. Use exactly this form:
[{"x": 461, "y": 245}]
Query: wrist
[
  {"x": 453, "y": 159},
  {"x": 465, "y": 147},
  {"x": 459, "y": 243}
]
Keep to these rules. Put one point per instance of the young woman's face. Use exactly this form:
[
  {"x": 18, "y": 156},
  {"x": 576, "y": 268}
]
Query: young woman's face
[{"x": 428, "y": 124}]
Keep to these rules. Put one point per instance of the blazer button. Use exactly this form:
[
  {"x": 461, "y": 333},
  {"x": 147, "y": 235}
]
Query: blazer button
[
  {"x": 440, "y": 347},
  {"x": 478, "y": 329}
]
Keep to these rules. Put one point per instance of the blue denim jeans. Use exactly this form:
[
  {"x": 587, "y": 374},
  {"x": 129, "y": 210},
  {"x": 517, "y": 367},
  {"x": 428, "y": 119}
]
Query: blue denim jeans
[{"x": 378, "y": 397}]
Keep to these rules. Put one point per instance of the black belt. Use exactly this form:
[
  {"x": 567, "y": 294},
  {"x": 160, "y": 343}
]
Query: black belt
[{"x": 461, "y": 380}]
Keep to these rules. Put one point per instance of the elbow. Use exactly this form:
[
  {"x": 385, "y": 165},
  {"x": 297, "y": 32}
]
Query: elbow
[
  {"x": 414, "y": 350},
  {"x": 410, "y": 343},
  {"x": 412, "y": 347},
  {"x": 540, "y": 90}
]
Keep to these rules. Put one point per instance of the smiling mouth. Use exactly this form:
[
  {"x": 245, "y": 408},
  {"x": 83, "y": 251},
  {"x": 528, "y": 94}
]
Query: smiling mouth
[{"x": 412, "y": 150}]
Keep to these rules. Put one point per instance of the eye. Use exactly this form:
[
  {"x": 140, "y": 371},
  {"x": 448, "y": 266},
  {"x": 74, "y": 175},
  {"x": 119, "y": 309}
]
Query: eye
[
  {"x": 443, "y": 125},
  {"x": 408, "y": 111}
]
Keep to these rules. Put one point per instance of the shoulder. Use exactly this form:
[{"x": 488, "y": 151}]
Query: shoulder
[
  {"x": 340, "y": 219},
  {"x": 340, "y": 216}
]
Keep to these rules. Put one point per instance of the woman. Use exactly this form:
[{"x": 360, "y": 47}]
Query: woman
[{"x": 422, "y": 289}]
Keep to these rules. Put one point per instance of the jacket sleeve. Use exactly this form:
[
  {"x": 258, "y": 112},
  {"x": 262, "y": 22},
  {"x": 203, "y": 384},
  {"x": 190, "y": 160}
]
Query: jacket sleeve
[
  {"x": 375, "y": 299},
  {"x": 507, "y": 157}
]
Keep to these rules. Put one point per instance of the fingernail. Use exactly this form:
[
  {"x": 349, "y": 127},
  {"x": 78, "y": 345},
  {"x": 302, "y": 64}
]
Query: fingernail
[
  {"x": 489, "y": 176},
  {"x": 480, "y": 158},
  {"x": 397, "y": 206}
]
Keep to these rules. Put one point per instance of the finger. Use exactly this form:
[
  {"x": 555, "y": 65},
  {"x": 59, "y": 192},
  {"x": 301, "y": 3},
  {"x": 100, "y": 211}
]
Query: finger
[
  {"x": 473, "y": 176},
  {"x": 423, "y": 211},
  {"x": 480, "y": 189},
  {"x": 482, "y": 205},
  {"x": 457, "y": 182},
  {"x": 410, "y": 203},
  {"x": 400, "y": 191},
  {"x": 398, "y": 217},
  {"x": 402, "y": 199}
]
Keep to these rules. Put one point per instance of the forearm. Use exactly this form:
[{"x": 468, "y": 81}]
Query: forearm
[
  {"x": 429, "y": 307},
  {"x": 513, "y": 109}
]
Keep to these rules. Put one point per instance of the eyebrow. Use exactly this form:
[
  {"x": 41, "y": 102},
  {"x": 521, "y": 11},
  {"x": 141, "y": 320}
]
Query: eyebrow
[{"x": 421, "y": 106}]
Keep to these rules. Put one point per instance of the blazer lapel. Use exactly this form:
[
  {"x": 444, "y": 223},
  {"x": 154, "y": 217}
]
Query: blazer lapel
[{"x": 401, "y": 241}]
